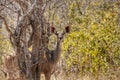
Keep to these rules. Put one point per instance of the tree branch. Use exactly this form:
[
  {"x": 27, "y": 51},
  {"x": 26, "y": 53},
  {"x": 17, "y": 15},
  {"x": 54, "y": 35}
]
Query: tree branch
[
  {"x": 6, "y": 25},
  {"x": 5, "y": 5}
]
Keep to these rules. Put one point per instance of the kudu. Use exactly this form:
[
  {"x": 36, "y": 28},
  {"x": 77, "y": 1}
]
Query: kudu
[{"x": 52, "y": 57}]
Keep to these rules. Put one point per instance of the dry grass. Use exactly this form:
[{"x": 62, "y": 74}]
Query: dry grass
[{"x": 113, "y": 74}]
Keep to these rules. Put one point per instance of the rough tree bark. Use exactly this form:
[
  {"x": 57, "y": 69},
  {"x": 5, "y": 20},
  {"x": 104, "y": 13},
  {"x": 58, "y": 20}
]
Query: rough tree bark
[
  {"x": 28, "y": 60},
  {"x": 31, "y": 30}
]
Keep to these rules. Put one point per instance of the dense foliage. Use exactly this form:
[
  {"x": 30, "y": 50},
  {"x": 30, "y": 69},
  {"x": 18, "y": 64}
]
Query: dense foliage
[{"x": 94, "y": 42}]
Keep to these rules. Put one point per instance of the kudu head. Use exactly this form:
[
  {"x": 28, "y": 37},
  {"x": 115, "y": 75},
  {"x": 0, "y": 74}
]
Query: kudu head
[{"x": 60, "y": 35}]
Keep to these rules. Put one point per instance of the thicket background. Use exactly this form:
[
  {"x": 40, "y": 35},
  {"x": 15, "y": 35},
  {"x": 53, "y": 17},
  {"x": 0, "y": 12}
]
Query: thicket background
[{"x": 91, "y": 51}]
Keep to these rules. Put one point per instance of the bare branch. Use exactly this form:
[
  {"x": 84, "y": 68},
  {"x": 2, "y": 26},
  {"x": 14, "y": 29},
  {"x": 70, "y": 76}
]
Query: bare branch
[
  {"x": 30, "y": 40},
  {"x": 22, "y": 23},
  {"x": 5, "y": 6},
  {"x": 31, "y": 9},
  {"x": 6, "y": 25}
]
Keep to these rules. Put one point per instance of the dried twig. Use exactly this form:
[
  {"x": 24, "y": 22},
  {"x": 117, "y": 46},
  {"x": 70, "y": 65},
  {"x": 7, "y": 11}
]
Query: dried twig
[{"x": 6, "y": 25}]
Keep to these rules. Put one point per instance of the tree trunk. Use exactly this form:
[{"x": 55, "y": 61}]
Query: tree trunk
[{"x": 30, "y": 21}]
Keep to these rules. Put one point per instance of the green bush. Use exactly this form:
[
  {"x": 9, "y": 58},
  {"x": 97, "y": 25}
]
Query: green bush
[{"x": 94, "y": 42}]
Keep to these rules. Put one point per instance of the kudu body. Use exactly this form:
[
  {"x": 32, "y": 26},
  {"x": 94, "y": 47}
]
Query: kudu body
[{"x": 52, "y": 57}]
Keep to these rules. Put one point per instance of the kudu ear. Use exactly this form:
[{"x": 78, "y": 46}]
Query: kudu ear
[
  {"x": 52, "y": 29},
  {"x": 67, "y": 28}
]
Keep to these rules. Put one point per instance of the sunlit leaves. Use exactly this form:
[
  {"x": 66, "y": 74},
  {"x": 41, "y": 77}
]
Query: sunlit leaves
[{"x": 93, "y": 44}]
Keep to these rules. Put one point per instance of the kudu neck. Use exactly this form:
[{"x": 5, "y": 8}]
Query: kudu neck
[{"x": 57, "y": 51}]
